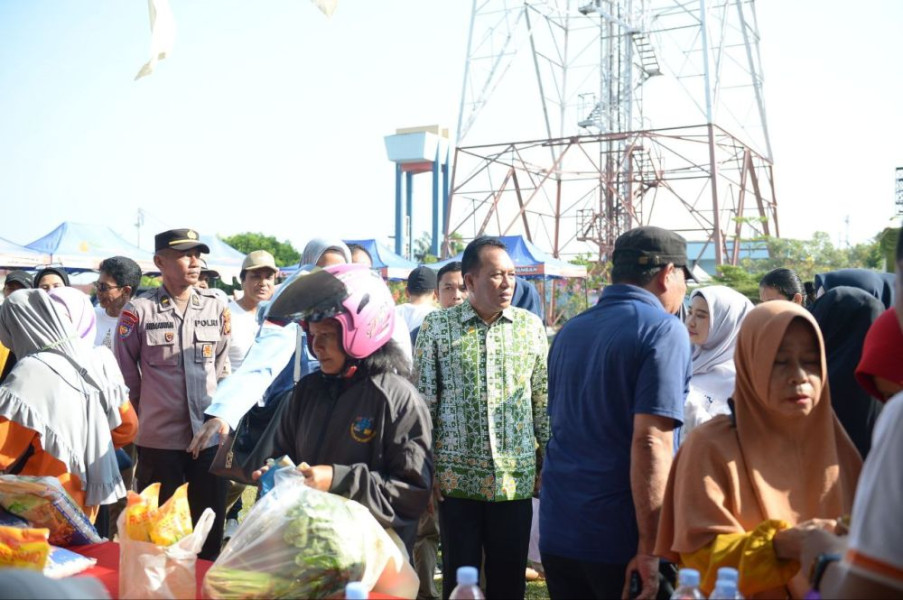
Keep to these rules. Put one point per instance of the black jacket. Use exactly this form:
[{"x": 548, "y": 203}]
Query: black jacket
[{"x": 376, "y": 433}]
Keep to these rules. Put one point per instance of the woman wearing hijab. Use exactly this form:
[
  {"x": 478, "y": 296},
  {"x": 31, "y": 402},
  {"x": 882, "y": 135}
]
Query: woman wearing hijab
[
  {"x": 323, "y": 252},
  {"x": 844, "y": 315},
  {"x": 745, "y": 488},
  {"x": 713, "y": 322},
  {"x": 59, "y": 410},
  {"x": 870, "y": 281}
]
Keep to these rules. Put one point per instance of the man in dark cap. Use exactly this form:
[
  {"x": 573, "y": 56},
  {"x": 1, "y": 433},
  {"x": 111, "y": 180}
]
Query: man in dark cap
[
  {"x": 618, "y": 376},
  {"x": 173, "y": 348},
  {"x": 421, "y": 292},
  {"x": 16, "y": 280}
]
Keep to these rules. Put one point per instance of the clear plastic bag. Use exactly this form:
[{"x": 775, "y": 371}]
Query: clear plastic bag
[
  {"x": 298, "y": 542},
  {"x": 147, "y": 570}
]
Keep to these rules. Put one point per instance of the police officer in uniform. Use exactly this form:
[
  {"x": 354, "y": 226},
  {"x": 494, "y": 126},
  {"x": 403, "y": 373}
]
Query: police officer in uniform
[{"x": 173, "y": 348}]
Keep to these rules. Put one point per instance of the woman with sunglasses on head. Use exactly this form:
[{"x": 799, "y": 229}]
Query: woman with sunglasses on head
[{"x": 116, "y": 283}]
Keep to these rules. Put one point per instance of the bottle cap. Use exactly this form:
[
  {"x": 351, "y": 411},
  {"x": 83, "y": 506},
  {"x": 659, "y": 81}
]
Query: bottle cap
[
  {"x": 688, "y": 577},
  {"x": 355, "y": 590},
  {"x": 729, "y": 574},
  {"x": 467, "y": 575}
]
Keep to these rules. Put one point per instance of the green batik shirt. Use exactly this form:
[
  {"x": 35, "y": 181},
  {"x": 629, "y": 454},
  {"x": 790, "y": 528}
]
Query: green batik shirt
[{"x": 486, "y": 388}]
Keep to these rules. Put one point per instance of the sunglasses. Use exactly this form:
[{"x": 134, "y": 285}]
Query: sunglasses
[{"x": 103, "y": 287}]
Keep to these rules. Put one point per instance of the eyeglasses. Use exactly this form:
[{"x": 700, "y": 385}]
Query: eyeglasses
[{"x": 103, "y": 287}]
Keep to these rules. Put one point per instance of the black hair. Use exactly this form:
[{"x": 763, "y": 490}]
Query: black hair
[
  {"x": 634, "y": 274},
  {"x": 123, "y": 270},
  {"x": 51, "y": 271},
  {"x": 785, "y": 281},
  {"x": 470, "y": 261},
  {"x": 452, "y": 267},
  {"x": 390, "y": 358},
  {"x": 354, "y": 247}
]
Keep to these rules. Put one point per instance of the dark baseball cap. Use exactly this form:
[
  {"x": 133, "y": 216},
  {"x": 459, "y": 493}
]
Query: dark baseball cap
[
  {"x": 205, "y": 270},
  {"x": 179, "y": 239},
  {"x": 649, "y": 247},
  {"x": 422, "y": 280},
  {"x": 20, "y": 277}
]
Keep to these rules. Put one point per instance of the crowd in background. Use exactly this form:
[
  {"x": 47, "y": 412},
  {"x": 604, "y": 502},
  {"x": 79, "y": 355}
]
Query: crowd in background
[{"x": 657, "y": 430}]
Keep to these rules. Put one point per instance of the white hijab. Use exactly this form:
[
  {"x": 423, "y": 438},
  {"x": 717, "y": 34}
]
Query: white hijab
[
  {"x": 714, "y": 373},
  {"x": 727, "y": 307},
  {"x": 57, "y": 390}
]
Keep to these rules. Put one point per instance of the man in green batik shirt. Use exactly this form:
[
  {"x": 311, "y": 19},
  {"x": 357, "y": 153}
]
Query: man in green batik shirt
[{"x": 481, "y": 367}]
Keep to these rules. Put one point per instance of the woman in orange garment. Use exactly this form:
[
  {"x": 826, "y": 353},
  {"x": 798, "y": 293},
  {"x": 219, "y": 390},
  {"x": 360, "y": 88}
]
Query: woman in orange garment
[
  {"x": 745, "y": 487},
  {"x": 63, "y": 408}
]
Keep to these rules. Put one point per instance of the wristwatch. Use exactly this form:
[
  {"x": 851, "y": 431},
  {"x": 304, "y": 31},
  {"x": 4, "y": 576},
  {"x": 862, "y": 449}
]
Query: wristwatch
[{"x": 819, "y": 566}]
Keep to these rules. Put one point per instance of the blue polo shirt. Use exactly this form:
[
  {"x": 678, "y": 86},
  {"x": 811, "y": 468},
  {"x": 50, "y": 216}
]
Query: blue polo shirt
[{"x": 622, "y": 357}]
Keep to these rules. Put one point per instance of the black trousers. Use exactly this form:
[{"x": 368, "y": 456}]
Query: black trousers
[
  {"x": 570, "y": 578},
  {"x": 172, "y": 468},
  {"x": 501, "y": 530}
]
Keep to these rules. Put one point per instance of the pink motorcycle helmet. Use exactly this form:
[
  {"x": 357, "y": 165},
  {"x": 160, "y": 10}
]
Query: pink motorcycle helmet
[{"x": 367, "y": 314}]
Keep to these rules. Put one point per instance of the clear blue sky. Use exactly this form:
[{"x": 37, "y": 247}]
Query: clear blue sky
[{"x": 270, "y": 117}]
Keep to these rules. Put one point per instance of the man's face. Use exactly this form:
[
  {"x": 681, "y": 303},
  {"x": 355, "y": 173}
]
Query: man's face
[
  {"x": 11, "y": 286},
  {"x": 179, "y": 268},
  {"x": 675, "y": 289},
  {"x": 259, "y": 285},
  {"x": 491, "y": 286},
  {"x": 451, "y": 289},
  {"x": 110, "y": 295}
]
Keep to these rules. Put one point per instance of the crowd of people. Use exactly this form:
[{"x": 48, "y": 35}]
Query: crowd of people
[{"x": 658, "y": 430}]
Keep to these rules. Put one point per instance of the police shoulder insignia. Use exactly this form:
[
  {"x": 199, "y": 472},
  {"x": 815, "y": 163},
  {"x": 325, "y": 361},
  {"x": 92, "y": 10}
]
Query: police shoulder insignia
[
  {"x": 362, "y": 429},
  {"x": 128, "y": 317}
]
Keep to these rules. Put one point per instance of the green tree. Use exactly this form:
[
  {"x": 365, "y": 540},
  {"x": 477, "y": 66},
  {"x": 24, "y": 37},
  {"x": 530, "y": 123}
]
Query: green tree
[
  {"x": 421, "y": 249},
  {"x": 283, "y": 252}
]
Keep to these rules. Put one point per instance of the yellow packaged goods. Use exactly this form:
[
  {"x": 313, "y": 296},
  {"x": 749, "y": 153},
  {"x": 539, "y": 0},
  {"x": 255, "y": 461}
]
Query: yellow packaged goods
[
  {"x": 173, "y": 520},
  {"x": 43, "y": 502},
  {"x": 164, "y": 526},
  {"x": 139, "y": 512},
  {"x": 24, "y": 548}
]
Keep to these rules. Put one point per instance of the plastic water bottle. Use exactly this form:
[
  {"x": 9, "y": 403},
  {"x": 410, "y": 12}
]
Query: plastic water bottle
[
  {"x": 687, "y": 586},
  {"x": 467, "y": 587},
  {"x": 355, "y": 590},
  {"x": 726, "y": 585}
]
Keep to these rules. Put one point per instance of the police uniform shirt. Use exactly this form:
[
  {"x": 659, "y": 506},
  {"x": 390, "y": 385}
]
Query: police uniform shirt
[{"x": 172, "y": 362}]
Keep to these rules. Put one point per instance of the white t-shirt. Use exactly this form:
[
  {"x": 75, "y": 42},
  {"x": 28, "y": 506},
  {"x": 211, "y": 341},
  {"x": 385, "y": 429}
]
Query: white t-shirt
[
  {"x": 244, "y": 329},
  {"x": 413, "y": 314},
  {"x": 876, "y": 529},
  {"x": 106, "y": 328}
]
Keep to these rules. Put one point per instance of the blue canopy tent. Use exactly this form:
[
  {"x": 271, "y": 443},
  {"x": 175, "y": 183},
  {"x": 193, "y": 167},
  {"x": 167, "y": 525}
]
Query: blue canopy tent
[
  {"x": 222, "y": 258},
  {"x": 389, "y": 264},
  {"x": 14, "y": 256},
  {"x": 530, "y": 261},
  {"x": 81, "y": 247}
]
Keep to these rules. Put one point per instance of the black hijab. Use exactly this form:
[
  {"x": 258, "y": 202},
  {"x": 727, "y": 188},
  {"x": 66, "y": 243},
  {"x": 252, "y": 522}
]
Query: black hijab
[
  {"x": 870, "y": 281},
  {"x": 844, "y": 315}
]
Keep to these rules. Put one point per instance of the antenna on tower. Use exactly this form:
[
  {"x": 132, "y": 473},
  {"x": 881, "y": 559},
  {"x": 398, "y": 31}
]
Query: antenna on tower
[
  {"x": 139, "y": 221},
  {"x": 590, "y": 159}
]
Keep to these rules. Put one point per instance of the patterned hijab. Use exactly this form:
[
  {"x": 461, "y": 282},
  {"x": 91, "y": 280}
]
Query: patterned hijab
[{"x": 58, "y": 389}]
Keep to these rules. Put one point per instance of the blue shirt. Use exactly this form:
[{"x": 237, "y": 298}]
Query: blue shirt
[{"x": 622, "y": 357}]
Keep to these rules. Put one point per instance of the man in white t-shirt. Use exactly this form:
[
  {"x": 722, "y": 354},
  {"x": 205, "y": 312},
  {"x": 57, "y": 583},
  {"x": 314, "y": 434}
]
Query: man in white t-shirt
[
  {"x": 258, "y": 282},
  {"x": 117, "y": 282},
  {"x": 421, "y": 292}
]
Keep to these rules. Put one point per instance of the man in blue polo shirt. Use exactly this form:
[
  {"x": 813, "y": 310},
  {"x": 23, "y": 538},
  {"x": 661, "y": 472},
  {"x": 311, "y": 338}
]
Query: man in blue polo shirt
[{"x": 618, "y": 375}]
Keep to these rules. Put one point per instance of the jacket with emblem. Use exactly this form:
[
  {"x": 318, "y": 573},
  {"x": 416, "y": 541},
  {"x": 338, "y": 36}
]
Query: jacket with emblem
[
  {"x": 172, "y": 362},
  {"x": 375, "y": 431}
]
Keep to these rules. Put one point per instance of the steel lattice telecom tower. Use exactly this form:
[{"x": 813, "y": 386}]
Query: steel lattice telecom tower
[{"x": 624, "y": 113}]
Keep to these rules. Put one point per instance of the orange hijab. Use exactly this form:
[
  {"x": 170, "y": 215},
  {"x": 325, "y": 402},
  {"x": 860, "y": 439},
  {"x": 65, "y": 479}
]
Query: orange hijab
[{"x": 728, "y": 479}]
